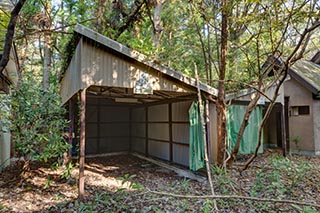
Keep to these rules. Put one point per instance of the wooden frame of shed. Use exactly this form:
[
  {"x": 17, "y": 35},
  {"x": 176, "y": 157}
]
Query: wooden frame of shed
[{"x": 130, "y": 103}]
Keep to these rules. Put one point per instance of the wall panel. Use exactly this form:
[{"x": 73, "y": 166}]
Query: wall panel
[
  {"x": 180, "y": 133},
  {"x": 139, "y": 114},
  {"x": 181, "y": 154},
  {"x": 180, "y": 111},
  {"x": 158, "y": 113},
  {"x": 138, "y": 145},
  {"x": 114, "y": 144},
  {"x": 159, "y": 149},
  {"x": 158, "y": 131},
  {"x": 114, "y": 129}
]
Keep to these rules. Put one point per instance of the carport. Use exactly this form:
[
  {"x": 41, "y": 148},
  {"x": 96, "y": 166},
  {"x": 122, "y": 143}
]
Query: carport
[{"x": 124, "y": 102}]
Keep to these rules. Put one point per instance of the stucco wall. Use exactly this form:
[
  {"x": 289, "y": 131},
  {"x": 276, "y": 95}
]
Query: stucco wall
[
  {"x": 316, "y": 123},
  {"x": 300, "y": 126},
  {"x": 4, "y": 147}
]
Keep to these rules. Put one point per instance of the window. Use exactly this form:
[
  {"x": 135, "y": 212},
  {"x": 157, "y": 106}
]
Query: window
[{"x": 299, "y": 110}]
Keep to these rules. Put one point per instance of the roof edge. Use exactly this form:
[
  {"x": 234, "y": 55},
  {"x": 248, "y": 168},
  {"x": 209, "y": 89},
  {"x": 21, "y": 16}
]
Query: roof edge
[
  {"x": 303, "y": 81},
  {"x": 122, "y": 49}
]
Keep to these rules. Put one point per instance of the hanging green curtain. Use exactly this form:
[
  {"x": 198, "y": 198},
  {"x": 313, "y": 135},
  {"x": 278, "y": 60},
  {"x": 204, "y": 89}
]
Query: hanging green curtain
[
  {"x": 235, "y": 114},
  {"x": 196, "y": 144}
]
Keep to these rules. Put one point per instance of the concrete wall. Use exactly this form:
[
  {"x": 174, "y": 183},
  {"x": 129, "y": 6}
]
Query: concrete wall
[
  {"x": 301, "y": 126},
  {"x": 4, "y": 147},
  {"x": 316, "y": 126}
]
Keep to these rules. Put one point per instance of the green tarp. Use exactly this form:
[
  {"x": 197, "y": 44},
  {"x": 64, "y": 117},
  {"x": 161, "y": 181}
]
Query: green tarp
[
  {"x": 235, "y": 114},
  {"x": 196, "y": 145}
]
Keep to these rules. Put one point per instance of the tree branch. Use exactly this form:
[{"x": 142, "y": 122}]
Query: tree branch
[
  {"x": 228, "y": 197},
  {"x": 9, "y": 35}
]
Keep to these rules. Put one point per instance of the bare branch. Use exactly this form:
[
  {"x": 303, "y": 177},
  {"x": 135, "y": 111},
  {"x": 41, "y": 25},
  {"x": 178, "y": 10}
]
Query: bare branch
[
  {"x": 9, "y": 35},
  {"x": 229, "y": 197}
]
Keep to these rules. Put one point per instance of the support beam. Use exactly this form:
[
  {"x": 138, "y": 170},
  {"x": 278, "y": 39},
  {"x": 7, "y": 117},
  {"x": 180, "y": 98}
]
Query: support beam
[
  {"x": 283, "y": 131},
  {"x": 170, "y": 132},
  {"x": 71, "y": 125},
  {"x": 147, "y": 133},
  {"x": 208, "y": 132},
  {"x": 82, "y": 143},
  {"x": 98, "y": 108}
]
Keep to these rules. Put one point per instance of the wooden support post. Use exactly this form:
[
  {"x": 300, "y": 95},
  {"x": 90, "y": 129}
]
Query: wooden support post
[
  {"x": 71, "y": 126},
  {"x": 283, "y": 131},
  {"x": 130, "y": 129},
  {"x": 170, "y": 132},
  {"x": 82, "y": 143},
  {"x": 286, "y": 120},
  {"x": 147, "y": 133},
  {"x": 98, "y": 126},
  {"x": 207, "y": 122},
  {"x": 201, "y": 110}
]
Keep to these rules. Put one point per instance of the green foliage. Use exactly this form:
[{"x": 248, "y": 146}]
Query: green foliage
[
  {"x": 3, "y": 208},
  {"x": 67, "y": 171},
  {"x": 48, "y": 183},
  {"x": 224, "y": 183},
  {"x": 37, "y": 122},
  {"x": 127, "y": 178},
  {"x": 4, "y": 20},
  {"x": 282, "y": 178},
  {"x": 112, "y": 201},
  {"x": 305, "y": 209},
  {"x": 208, "y": 206}
]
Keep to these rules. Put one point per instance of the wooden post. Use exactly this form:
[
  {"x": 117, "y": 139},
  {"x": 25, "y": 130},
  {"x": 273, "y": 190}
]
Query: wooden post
[
  {"x": 82, "y": 143},
  {"x": 71, "y": 125},
  {"x": 206, "y": 159},
  {"x": 98, "y": 150},
  {"x": 170, "y": 132},
  {"x": 207, "y": 113},
  {"x": 283, "y": 131},
  {"x": 147, "y": 133}
]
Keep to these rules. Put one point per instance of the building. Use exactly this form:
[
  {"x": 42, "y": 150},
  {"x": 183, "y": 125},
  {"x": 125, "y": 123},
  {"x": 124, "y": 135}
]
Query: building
[
  {"x": 294, "y": 123},
  {"x": 129, "y": 103}
]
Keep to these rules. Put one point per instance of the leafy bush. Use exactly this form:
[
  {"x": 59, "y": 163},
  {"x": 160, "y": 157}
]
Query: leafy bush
[{"x": 37, "y": 122}]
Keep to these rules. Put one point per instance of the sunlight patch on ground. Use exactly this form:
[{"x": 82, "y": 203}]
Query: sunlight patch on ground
[{"x": 100, "y": 178}]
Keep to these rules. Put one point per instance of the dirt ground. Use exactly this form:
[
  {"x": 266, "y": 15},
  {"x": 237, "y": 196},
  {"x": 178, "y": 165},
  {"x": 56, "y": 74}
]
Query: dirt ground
[{"x": 123, "y": 184}]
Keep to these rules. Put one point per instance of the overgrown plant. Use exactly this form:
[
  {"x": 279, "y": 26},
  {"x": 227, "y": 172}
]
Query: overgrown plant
[
  {"x": 281, "y": 178},
  {"x": 67, "y": 171},
  {"x": 37, "y": 122}
]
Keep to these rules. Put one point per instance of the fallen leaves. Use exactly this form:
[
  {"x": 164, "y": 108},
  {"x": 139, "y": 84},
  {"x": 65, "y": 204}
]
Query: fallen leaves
[{"x": 109, "y": 182}]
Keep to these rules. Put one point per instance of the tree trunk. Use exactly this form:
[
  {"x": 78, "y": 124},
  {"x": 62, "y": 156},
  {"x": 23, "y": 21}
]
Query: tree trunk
[
  {"x": 221, "y": 105},
  {"x": 47, "y": 48},
  {"x": 252, "y": 105},
  {"x": 9, "y": 35},
  {"x": 157, "y": 23},
  {"x": 46, "y": 62}
]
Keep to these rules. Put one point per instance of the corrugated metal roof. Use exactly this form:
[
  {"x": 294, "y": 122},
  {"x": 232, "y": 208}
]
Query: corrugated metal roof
[{"x": 141, "y": 58}]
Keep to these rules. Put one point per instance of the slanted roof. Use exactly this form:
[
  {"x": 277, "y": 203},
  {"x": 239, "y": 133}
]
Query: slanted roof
[
  {"x": 307, "y": 73},
  {"x": 139, "y": 57},
  {"x": 101, "y": 63}
]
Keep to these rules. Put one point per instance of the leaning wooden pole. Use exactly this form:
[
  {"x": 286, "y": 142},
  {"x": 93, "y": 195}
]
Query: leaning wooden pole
[
  {"x": 82, "y": 143},
  {"x": 71, "y": 124},
  {"x": 206, "y": 158}
]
